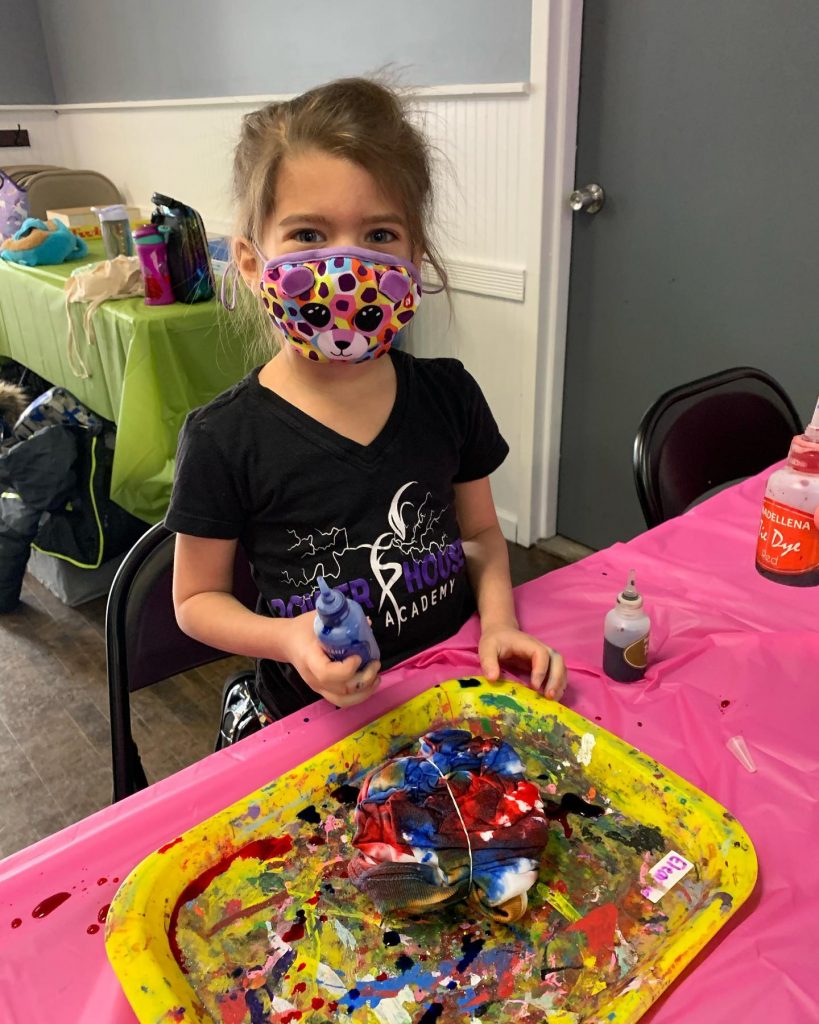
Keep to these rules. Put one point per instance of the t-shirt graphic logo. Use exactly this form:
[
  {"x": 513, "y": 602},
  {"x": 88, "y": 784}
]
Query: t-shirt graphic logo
[{"x": 414, "y": 554}]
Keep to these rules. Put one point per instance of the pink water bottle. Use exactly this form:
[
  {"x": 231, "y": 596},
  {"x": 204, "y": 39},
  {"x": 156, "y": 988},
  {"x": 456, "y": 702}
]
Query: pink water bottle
[{"x": 153, "y": 261}]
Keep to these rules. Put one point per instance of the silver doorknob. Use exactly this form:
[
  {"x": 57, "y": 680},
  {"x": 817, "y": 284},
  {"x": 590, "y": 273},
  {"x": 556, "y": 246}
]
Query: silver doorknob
[{"x": 589, "y": 198}]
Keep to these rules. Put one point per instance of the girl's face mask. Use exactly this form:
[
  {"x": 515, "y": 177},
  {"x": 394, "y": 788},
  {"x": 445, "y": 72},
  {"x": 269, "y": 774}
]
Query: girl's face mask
[{"x": 340, "y": 305}]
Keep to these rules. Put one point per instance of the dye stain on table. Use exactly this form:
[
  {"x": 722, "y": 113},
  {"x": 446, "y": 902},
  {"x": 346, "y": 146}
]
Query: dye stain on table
[{"x": 269, "y": 927}]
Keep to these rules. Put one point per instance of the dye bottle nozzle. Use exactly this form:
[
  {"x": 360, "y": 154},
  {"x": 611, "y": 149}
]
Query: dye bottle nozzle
[
  {"x": 629, "y": 596},
  {"x": 812, "y": 429},
  {"x": 342, "y": 627},
  {"x": 330, "y": 604}
]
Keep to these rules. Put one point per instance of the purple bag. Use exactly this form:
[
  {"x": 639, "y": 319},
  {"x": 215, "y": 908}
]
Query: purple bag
[{"x": 13, "y": 206}]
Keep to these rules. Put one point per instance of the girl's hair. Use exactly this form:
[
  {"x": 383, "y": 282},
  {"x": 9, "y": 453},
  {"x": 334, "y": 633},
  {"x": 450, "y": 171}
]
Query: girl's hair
[{"x": 354, "y": 118}]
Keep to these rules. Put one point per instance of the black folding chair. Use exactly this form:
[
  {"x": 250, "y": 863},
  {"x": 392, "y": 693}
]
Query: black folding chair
[
  {"x": 145, "y": 645},
  {"x": 710, "y": 432}
]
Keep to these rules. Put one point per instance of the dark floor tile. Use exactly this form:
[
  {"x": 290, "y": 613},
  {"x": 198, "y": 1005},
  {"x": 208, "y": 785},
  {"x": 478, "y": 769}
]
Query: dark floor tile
[
  {"x": 58, "y": 749},
  {"x": 89, "y": 791},
  {"x": 93, "y": 724},
  {"x": 17, "y": 773},
  {"x": 28, "y": 818},
  {"x": 529, "y": 563}
]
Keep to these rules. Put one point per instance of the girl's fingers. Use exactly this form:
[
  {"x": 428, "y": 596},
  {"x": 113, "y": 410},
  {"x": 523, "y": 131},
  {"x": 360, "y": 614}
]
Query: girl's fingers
[
  {"x": 347, "y": 700},
  {"x": 490, "y": 666},
  {"x": 333, "y": 675},
  {"x": 556, "y": 686},
  {"x": 541, "y": 660},
  {"x": 364, "y": 680}
]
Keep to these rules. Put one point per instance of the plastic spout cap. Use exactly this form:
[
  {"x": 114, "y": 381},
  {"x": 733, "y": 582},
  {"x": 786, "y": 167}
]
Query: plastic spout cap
[
  {"x": 812, "y": 429},
  {"x": 739, "y": 748},
  {"x": 329, "y": 602},
  {"x": 630, "y": 596}
]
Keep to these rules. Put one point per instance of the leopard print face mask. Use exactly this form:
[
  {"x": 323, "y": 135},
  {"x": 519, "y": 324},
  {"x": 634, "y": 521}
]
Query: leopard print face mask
[{"x": 340, "y": 305}]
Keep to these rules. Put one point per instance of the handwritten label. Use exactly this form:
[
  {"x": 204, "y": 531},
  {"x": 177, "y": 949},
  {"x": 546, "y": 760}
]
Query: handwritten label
[{"x": 666, "y": 873}]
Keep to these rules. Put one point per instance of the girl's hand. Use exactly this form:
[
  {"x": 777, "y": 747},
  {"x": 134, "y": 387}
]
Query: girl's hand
[
  {"x": 340, "y": 682},
  {"x": 509, "y": 644}
]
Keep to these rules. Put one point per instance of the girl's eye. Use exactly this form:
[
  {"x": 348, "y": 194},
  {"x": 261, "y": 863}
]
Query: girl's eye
[
  {"x": 309, "y": 236},
  {"x": 382, "y": 236}
]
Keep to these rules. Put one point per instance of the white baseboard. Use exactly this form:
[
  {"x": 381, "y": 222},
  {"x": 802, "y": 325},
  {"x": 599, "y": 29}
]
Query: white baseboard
[{"x": 508, "y": 524}]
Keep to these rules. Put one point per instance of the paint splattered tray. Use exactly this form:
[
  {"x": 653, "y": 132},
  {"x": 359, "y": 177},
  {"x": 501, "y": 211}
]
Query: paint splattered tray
[{"x": 251, "y": 917}]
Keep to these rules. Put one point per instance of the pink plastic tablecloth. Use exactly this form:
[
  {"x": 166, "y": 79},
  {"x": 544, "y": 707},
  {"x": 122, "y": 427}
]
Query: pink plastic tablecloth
[{"x": 720, "y": 634}]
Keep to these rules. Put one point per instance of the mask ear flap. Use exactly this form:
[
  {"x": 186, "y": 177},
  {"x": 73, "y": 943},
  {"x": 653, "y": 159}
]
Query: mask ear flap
[
  {"x": 394, "y": 285},
  {"x": 295, "y": 281}
]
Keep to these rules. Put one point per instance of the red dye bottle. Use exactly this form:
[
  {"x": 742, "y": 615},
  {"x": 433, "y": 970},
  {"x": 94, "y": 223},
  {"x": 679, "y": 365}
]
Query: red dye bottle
[{"x": 788, "y": 547}]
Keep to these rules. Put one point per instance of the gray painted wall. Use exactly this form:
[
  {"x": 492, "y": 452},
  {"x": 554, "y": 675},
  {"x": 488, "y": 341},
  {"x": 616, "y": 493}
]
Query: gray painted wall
[
  {"x": 699, "y": 119},
  {"x": 24, "y": 71},
  {"x": 107, "y": 50}
]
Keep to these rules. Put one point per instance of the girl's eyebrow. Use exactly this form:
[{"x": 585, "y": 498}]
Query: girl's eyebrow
[
  {"x": 302, "y": 218},
  {"x": 317, "y": 218},
  {"x": 384, "y": 218}
]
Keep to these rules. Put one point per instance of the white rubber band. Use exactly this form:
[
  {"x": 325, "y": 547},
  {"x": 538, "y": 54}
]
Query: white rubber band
[{"x": 460, "y": 816}]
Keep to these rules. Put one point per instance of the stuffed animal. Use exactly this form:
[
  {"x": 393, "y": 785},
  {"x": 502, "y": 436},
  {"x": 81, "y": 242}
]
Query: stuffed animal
[{"x": 42, "y": 242}]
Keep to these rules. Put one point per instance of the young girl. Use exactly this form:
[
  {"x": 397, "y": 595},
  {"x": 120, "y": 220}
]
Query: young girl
[{"x": 342, "y": 456}]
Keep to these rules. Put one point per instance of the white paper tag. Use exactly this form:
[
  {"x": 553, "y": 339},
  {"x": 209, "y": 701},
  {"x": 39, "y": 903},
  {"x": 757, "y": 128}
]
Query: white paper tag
[{"x": 666, "y": 873}]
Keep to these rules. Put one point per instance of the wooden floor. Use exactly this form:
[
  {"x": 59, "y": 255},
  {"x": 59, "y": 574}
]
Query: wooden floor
[{"x": 55, "y": 756}]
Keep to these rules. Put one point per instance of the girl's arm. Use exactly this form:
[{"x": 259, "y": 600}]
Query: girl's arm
[
  {"x": 207, "y": 610},
  {"x": 487, "y": 563}
]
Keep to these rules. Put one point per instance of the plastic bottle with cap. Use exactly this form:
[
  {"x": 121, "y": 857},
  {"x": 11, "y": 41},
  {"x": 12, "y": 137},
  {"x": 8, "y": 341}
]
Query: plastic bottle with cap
[
  {"x": 625, "y": 636},
  {"x": 342, "y": 627},
  {"x": 787, "y": 550},
  {"x": 116, "y": 230}
]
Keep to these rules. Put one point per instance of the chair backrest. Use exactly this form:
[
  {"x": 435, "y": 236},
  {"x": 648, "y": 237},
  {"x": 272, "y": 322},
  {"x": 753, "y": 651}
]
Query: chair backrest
[
  {"x": 144, "y": 644},
  {"x": 707, "y": 433}
]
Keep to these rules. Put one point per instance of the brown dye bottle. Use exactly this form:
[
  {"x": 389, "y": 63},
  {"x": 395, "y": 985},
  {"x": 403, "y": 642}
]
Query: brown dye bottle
[{"x": 625, "y": 636}]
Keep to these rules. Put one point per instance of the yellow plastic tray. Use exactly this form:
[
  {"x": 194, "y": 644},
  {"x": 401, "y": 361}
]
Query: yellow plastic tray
[{"x": 256, "y": 905}]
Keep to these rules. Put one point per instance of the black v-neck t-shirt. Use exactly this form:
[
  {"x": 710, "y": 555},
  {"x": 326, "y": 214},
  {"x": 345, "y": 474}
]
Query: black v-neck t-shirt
[{"x": 378, "y": 520}]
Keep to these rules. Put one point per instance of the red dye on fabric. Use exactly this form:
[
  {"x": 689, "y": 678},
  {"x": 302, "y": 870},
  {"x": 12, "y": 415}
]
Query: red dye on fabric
[
  {"x": 168, "y": 846},
  {"x": 92, "y": 929},
  {"x": 16, "y": 922},
  {"x": 456, "y": 795}
]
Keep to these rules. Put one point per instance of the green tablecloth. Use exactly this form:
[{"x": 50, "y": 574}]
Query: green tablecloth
[{"x": 149, "y": 367}]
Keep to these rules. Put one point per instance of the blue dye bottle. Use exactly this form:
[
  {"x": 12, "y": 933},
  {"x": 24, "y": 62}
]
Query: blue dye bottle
[{"x": 342, "y": 627}]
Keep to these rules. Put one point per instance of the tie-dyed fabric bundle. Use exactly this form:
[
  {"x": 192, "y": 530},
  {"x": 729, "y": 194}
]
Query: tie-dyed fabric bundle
[{"x": 457, "y": 820}]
